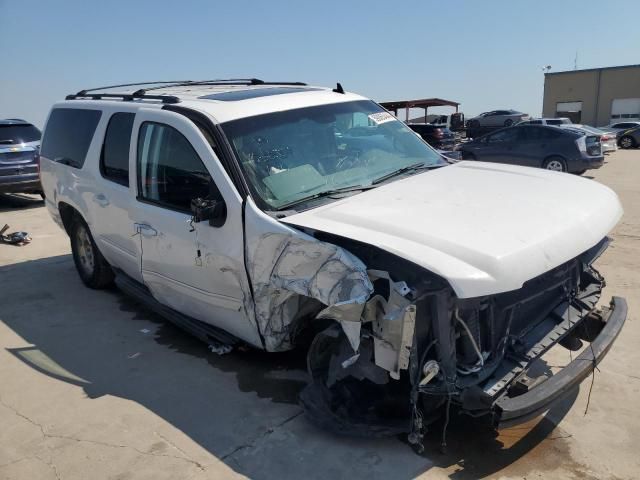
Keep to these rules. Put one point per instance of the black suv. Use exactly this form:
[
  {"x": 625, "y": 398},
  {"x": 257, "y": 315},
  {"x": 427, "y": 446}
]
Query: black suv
[
  {"x": 553, "y": 148},
  {"x": 19, "y": 157},
  {"x": 438, "y": 136}
]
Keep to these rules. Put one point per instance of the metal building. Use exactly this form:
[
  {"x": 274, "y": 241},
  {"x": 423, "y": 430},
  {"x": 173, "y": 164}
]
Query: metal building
[{"x": 595, "y": 96}]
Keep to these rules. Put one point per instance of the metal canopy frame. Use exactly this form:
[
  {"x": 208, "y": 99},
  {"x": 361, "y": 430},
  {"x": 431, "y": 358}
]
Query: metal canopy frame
[{"x": 421, "y": 103}]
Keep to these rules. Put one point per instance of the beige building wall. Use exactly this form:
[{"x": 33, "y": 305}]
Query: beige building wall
[
  {"x": 596, "y": 89},
  {"x": 616, "y": 83},
  {"x": 571, "y": 87}
]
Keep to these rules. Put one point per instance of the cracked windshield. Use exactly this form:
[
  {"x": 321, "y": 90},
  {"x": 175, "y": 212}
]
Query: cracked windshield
[{"x": 293, "y": 155}]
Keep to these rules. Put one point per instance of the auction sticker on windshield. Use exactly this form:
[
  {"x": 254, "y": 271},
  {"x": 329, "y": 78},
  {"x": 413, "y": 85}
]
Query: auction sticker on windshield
[{"x": 381, "y": 117}]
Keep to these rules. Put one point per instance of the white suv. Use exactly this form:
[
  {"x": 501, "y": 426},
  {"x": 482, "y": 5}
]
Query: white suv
[{"x": 276, "y": 213}]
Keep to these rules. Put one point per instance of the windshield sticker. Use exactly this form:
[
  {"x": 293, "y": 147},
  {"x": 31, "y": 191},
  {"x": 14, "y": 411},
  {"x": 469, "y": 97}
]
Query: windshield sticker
[{"x": 381, "y": 117}]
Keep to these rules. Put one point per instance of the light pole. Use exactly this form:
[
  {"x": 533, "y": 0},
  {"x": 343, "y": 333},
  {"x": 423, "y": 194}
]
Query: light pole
[{"x": 545, "y": 70}]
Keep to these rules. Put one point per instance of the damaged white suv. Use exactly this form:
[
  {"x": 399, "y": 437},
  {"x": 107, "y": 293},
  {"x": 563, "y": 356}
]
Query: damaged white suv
[{"x": 275, "y": 213}]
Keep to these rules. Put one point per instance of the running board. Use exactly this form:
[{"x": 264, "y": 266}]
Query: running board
[{"x": 201, "y": 330}]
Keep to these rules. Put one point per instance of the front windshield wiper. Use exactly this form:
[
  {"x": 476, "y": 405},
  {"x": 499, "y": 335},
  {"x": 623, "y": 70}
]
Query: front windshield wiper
[
  {"x": 327, "y": 193},
  {"x": 400, "y": 171}
]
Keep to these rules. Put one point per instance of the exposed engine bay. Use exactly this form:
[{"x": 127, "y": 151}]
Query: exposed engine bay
[{"x": 418, "y": 350}]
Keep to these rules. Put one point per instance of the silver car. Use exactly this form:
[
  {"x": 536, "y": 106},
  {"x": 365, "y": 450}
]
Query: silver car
[
  {"x": 607, "y": 139},
  {"x": 498, "y": 118}
]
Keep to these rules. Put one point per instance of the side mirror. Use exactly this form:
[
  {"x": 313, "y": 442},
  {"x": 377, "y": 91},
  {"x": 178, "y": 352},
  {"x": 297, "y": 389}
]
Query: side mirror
[{"x": 212, "y": 208}]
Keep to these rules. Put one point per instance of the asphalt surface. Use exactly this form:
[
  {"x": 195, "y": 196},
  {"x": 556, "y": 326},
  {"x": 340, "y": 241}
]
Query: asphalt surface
[{"x": 94, "y": 386}]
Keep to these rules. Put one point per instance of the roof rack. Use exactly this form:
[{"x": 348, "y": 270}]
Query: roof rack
[
  {"x": 230, "y": 81},
  {"x": 127, "y": 97},
  {"x": 142, "y": 93}
]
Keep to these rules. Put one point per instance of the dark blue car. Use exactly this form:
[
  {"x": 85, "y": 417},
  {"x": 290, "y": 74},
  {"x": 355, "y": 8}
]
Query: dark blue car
[
  {"x": 553, "y": 148},
  {"x": 19, "y": 157}
]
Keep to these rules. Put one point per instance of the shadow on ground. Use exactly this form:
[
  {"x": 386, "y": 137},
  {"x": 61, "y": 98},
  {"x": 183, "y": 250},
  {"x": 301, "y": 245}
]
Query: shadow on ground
[
  {"x": 106, "y": 344},
  {"x": 16, "y": 201}
]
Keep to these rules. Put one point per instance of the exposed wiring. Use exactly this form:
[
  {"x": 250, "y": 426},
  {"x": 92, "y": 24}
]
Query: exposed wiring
[{"x": 475, "y": 346}]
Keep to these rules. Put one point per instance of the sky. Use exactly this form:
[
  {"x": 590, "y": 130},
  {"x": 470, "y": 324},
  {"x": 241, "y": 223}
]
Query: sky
[{"x": 484, "y": 54}]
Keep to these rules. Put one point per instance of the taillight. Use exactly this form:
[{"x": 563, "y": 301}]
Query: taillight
[
  {"x": 604, "y": 138},
  {"x": 593, "y": 146}
]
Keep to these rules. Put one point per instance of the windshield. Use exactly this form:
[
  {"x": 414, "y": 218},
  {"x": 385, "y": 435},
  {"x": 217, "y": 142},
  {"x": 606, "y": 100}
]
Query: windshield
[
  {"x": 288, "y": 156},
  {"x": 18, "y": 133}
]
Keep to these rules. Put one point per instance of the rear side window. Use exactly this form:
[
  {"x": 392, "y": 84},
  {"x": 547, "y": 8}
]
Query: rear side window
[
  {"x": 114, "y": 161},
  {"x": 68, "y": 135},
  {"x": 170, "y": 171}
]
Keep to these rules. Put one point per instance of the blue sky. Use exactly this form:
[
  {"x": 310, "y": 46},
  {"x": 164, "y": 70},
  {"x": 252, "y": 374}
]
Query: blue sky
[{"x": 484, "y": 54}]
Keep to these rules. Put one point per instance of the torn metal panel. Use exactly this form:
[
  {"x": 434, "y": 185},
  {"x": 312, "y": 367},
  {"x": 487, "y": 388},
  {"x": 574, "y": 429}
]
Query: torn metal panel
[
  {"x": 288, "y": 267},
  {"x": 393, "y": 325}
]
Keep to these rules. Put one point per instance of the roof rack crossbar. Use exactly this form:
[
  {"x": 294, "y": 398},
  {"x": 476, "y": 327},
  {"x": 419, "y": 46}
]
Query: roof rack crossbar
[{"x": 127, "y": 97}]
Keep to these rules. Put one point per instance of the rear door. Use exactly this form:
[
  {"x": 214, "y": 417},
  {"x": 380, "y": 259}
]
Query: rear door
[
  {"x": 113, "y": 196},
  {"x": 531, "y": 146},
  {"x": 195, "y": 268}
]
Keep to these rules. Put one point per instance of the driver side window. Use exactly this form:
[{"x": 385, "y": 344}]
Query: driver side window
[
  {"x": 507, "y": 135},
  {"x": 170, "y": 172}
]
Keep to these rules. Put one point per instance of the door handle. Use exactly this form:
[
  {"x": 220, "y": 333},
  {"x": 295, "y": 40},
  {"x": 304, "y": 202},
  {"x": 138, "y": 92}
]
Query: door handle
[
  {"x": 101, "y": 199},
  {"x": 145, "y": 230}
]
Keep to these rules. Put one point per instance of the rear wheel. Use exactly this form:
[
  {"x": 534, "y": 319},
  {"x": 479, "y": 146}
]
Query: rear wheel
[
  {"x": 627, "y": 142},
  {"x": 93, "y": 269},
  {"x": 556, "y": 164}
]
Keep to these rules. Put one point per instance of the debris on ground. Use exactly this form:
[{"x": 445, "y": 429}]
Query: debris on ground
[{"x": 15, "y": 238}]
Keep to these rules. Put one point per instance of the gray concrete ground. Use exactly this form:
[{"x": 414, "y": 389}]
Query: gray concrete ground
[{"x": 93, "y": 386}]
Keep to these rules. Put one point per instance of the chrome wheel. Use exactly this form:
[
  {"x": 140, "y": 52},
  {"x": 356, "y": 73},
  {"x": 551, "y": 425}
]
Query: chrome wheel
[
  {"x": 626, "y": 142},
  {"x": 555, "y": 165},
  {"x": 85, "y": 250}
]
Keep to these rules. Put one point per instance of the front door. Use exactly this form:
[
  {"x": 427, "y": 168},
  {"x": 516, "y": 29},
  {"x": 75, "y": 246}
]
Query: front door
[
  {"x": 194, "y": 268},
  {"x": 499, "y": 147}
]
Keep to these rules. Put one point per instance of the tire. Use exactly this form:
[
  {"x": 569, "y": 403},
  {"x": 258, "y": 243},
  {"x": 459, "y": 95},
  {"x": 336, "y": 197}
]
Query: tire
[
  {"x": 557, "y": 164},
  {"x": 468, "y": 156},
  {"x": 93, "y": 269},
  {"x": 508, "y": 122},
  {"x": 627, "y": 142}
]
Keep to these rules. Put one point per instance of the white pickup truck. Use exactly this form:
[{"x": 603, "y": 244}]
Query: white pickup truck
[{"x": 280, "y": 215}]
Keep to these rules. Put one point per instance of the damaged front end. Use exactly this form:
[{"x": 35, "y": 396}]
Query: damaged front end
[{"x": 419, "y": 349}]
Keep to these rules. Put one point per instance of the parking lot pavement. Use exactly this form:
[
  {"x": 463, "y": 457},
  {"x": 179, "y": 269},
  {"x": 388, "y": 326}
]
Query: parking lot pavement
[{"x": 94, "y": 386}]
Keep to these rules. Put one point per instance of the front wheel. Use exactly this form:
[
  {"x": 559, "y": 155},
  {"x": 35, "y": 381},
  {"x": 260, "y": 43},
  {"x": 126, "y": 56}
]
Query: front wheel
[
  {"x": 627, "y": 142},
  {"x": 93, "y": 269},
  {"x": 556, "y": 164},
  {"x": 508, "y": 122}
]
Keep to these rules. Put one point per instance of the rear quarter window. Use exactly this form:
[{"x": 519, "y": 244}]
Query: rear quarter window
[{"x": 68, "y": 134}]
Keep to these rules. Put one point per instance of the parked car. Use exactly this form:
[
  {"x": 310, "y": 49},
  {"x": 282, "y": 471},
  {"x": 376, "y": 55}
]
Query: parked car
[
  {"x": 552, "y": 148},
  {"x": 629, "y": 138},
  {"x": 497, "y": 118},
  {"x": 268, "y": 214},
  {"x": 607, "y": 139},
  {"x": 19, "y": 157},
  {"x": 435, "y": 135},
  {"x": 547, "y": 121},
  {"x": 619, "y": 126}
]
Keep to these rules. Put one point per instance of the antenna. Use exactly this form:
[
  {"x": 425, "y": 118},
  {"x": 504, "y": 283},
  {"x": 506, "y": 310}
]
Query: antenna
[{"x": 575, "y": 61}]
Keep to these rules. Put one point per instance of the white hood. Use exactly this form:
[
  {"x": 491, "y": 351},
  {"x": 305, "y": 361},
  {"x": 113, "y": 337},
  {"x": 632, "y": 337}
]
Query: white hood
[{"x": 486, "y": 228}]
